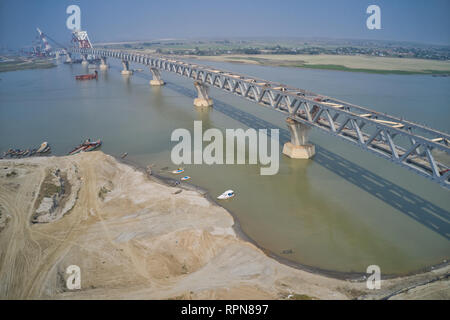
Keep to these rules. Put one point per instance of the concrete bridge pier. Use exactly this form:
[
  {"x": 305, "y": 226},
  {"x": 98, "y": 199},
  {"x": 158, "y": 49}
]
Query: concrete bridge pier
[
  {"x": 85, "y": 61},
  {"x": 156, "y": 81},
  {"x": 203, "y": 99},
  {"x": 126, "y": 68},
  {"x": 298, "y": 147},
  {"x": 103, "y": 65},
  {"x": 68, "y": 57}
]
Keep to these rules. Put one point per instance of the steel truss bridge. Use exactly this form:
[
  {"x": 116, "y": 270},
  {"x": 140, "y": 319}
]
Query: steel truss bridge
[{"x": 410, "y": 145}]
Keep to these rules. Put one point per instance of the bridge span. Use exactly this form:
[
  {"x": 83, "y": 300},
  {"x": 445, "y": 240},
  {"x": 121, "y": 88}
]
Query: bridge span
[{"x": 421, "y": 149}]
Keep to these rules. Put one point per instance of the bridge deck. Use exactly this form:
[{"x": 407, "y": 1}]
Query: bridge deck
[{"x": 408, "y": 144}]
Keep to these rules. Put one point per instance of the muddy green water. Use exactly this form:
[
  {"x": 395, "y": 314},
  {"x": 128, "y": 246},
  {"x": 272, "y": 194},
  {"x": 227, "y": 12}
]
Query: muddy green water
[{"x": 342, "y": 211}]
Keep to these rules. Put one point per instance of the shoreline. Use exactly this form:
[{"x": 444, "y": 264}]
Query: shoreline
[
  {"x": 150, "y": 236},
  {"x": 240, "y": 233},
  {"x": 276, "y": 61},
  {"x": 20, "y": 64}
]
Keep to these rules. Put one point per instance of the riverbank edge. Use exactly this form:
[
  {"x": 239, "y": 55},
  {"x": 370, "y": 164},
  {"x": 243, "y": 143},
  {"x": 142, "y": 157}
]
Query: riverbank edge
[
  {"x": 240, "y": 234},
  {"x": 32, "y": 66},
  {"x": 329, "y": 67}
]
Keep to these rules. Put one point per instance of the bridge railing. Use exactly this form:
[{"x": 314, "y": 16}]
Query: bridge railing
[{"x": 403, "y": 142}]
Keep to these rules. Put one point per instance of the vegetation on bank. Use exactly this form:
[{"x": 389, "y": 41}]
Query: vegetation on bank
[
  {"x": 378, "y": 71},
  {"x": 20, "y": 63},
  {"x": 11, "y": 174},
  {"x": 370, "y": 56},
  {"x": 281, "y": 46},
  {"x": 102, "y": 192},
  {"x": 378, "y": 65}
]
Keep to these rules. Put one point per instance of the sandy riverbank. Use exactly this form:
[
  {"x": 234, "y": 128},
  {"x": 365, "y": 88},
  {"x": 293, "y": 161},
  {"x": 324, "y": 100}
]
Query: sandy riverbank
[
  {"x": 135, "y": 238},
  {"x": 23, "y": 63},
  {"x": 368, "y": 64}
]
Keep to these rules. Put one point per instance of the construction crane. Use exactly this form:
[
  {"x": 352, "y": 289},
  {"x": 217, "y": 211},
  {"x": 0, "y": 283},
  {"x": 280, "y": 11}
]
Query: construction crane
[
  {"x": 47, "y": 47},
  {"x": 80, "y": 39}
]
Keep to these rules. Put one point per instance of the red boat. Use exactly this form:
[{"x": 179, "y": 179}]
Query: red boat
[
  {"x": 88, "y": 76},
  {"x": 87, "y": 145}
]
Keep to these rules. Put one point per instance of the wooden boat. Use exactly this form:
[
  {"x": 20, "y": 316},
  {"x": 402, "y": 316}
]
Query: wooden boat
[
  {"x": 93, "y": 145},
  {"x": 226, "y": 195},
  {"x": 46, "y": 150},
  {"x": 87, "y": 76},
  {"x": 42, "y": 147},
  {"x": 77, "y": 150},
  {"x": 86, "y": 146}
]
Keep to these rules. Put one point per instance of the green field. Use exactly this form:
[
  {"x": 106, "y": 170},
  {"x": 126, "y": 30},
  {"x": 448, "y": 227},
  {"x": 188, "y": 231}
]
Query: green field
[
  {"x": 21, "y": 63},
  {"x": 381, "y": 65}
]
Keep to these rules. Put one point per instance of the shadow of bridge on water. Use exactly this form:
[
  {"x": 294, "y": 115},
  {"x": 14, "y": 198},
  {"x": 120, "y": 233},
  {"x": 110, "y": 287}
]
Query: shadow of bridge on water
[
  {"x": 414, "y": 206},
  {"x": 434, "y": 217}
]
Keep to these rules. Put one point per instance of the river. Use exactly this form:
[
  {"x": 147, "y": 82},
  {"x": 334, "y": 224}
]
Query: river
[{"x": 343, "y": 210}]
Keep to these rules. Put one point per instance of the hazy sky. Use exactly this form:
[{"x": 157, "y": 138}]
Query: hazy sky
[{"x": 112, "y": 20}]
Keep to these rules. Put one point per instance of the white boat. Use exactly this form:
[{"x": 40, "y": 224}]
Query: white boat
[
  {"x": 226, "y": 195},
  {"x": 42, "y": 147},
  {"x": 178, "y": 171},
  {"x": 185, "y": 178}
]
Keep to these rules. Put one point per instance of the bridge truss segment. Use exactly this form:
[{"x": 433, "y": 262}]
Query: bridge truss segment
[{"x": 410, "y": 145}]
